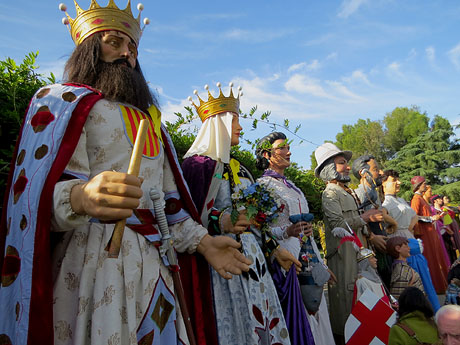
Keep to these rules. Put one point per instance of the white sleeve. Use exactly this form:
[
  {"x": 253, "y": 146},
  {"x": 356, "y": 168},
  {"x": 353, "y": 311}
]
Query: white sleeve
[
  {"x": 188, "y": 233},
  {"x": 63, "y": 217}
]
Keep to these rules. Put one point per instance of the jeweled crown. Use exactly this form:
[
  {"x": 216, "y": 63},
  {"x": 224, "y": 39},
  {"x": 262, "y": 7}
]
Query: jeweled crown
[
  {"x": 221, "y": 104},
  {"x": 97, "y": 18}
]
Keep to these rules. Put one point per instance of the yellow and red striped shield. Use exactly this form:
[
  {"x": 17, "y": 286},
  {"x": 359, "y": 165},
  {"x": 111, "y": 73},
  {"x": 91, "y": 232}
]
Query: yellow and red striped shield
[{"x": 132, "y": 117}]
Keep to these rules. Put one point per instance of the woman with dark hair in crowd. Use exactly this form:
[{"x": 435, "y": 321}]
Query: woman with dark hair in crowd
[
  {"x": 415, "y": 324},
  {"x": 293, "y": 231}
]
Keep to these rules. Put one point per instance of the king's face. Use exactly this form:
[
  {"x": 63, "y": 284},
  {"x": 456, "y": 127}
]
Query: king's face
[{"x": 116, "y": 45}]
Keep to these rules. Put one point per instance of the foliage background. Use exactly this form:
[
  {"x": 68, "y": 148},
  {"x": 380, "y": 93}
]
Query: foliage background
[{"x": 18, "y": 83}]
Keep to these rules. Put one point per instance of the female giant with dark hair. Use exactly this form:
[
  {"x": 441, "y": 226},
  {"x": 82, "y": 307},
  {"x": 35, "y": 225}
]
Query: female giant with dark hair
[
  {"x": 415, "y": 323},
  {"x": 265, "y": 146},
  {"x": 273, "y": 156}
]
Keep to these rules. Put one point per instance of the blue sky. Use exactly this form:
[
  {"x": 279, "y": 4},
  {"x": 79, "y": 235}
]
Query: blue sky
[{"x": 321, "y": 64}]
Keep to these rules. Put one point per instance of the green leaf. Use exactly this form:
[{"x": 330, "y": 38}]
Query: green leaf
[
  {"x": 234, "y": 216},
  {"x": 251, "y": 211}
]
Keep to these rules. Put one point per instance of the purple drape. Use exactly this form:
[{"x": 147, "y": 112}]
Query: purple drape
[{"x": 293, "y": 308}]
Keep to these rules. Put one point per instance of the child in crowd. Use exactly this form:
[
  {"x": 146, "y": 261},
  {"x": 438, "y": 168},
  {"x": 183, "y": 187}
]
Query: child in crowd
[
  {"x": 368, "y": 277},
  {"x": 453, "y": 289},
  {"x": 403, "y": 275}
]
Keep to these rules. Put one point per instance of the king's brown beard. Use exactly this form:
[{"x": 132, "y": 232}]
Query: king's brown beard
[{"x": 119, "y": 82}]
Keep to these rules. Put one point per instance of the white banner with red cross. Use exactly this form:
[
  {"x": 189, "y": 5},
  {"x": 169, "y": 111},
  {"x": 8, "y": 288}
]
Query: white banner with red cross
[{"x": 370, "y": 321}]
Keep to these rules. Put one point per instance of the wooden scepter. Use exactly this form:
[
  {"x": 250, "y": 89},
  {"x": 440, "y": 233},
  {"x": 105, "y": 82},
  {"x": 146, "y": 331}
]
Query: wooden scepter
[{"x": 134, "y": 165}]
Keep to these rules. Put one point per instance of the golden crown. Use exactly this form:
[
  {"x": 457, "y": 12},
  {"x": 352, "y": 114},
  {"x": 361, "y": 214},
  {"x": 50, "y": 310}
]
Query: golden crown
[
  {"x": 97, "y": 18},
  {"x": 221, "y": 104}
]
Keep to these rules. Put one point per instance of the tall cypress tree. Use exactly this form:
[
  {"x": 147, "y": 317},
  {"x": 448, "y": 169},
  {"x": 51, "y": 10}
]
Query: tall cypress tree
[{"x": 433, "y": 155}]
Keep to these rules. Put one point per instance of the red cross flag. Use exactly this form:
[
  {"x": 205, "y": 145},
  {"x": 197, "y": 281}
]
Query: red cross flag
[{"x": 370, "y": 321}]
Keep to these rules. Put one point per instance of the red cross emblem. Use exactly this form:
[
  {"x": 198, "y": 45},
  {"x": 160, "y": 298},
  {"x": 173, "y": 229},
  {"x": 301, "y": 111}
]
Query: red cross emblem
[{"x": 370, "y": 321}]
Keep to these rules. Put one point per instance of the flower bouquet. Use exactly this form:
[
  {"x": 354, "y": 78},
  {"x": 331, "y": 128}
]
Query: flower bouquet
[{"x": 260, "y": 203}]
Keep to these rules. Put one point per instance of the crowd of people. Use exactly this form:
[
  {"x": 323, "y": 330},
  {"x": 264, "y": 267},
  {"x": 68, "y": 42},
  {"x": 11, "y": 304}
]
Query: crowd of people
[
  {"x": 395, "y": 234},
  {"x": 71, "y": 276}
]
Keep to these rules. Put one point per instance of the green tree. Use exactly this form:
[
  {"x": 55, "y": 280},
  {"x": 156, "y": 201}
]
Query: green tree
[
  {"x": 452, "y": 190},
  {"x": 433, "y": 155},
  {"x": 364, "y": 137},
  {"x": 18, "y": 83},
  {"x": 440, "y": 122},
  {"x": 180, "y": 133},
  {"x": 402, "y": 126}
]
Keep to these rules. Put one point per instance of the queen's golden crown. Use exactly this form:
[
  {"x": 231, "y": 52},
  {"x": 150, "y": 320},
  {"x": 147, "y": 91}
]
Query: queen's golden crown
[
  {"x": 221, "y": 104},
  {"x": 98, "y": 18}
]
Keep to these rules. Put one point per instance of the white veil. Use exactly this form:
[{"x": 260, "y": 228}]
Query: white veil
[{"x": 214, "y": 138}]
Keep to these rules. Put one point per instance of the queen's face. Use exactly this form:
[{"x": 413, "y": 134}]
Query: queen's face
[
  {"x": 236, "y": 130},
  {"x": 392, "y": 185}
]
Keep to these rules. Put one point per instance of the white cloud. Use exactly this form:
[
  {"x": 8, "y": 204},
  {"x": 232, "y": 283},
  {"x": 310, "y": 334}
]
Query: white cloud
[
  {"x": 261, "y": 35},
  {"x": 320, "y": 105},
  {"x": 320, "y": 40},
  {"x": 394, "y": 69},
  {"x": 430, "y": 53},
  {"x": 349, "y": 7},
  {"x": 297, "y": 67},
  {"x": 454, "y": 56},
  {"x": 302, "y": 84},
  {"x": 357, "y": 76},
  {"x": 314, "y": 65},
  {"x": 171, "y": 107},
  {"x": 412, "y": 54},
  {"x": 268, "y": 94},
  {"x": 332, "y": 56},
  {"x": 342, "y": 90}
]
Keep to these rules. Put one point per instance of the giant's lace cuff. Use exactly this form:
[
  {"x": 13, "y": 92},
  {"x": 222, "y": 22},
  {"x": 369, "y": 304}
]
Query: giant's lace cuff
[
  {"x": 187, "y": 235},
  {"x": 64, "y": 217}
]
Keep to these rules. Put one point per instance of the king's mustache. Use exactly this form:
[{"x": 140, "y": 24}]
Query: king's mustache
[{"x": 122, "y": 61}]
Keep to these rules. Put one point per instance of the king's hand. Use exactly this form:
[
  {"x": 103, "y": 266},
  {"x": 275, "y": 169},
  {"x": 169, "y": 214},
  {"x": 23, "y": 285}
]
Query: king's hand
[
  {"x": 107, "y": 196},
  {"x": 222, "y": 254}
]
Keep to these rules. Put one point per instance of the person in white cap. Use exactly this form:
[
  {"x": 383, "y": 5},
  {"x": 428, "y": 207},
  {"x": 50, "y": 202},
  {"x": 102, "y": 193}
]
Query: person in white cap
[{"x": 340, "y": 210}]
